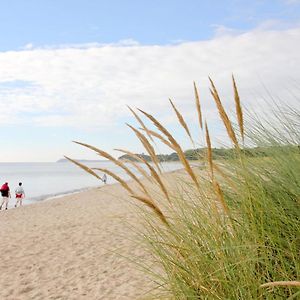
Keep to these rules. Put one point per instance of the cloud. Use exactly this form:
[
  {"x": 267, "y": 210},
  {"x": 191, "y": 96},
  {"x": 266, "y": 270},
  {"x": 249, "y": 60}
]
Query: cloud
[
  {"x": 28, "y": 46},
  {"x": 221, "y": 30},
  {"x": 90, "y": 86},
  {"x": 120, "y": 43}
]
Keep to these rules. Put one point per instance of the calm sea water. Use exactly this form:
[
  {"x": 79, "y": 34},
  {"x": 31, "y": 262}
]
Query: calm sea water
[{"x": 46, "y": 180}]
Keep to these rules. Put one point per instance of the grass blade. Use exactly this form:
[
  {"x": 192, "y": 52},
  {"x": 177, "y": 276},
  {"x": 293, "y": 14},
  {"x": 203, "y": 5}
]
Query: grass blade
[
  {"x": 198, "y": 106},
  {"x": 84, "y": 167},
  {"x": 154, "y": 207},
  {"x": 176, "y": 146},
  {"x": 280, "y": 283},
  {"x": 238, "y": 108},
  {"x": 223, "y": 114},
  {"x": 161, "y": 138},
  {"x": 117, "y": 178},
  {"x": 209, "y": 152},
  {"x": 116, "y": 162},
  {"x": 154, "y": 174},
  {"x": 147, "y": 146},
  {"x": 141, "y": 122},
  {"x": 182, "y": 121}
]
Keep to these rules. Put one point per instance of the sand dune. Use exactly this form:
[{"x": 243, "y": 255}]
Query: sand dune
[{"x": 71, "y": 248}]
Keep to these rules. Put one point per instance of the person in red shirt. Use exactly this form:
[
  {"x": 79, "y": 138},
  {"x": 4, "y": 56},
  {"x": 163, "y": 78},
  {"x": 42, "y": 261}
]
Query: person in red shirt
[{"x": 5, "y": 192}]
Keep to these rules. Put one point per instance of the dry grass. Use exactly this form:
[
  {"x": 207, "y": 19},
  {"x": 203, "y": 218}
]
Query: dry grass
[
  {"x": 149, "y": 148},
  {"x": 153, "y": 206},
  {"x": 209, "y": 152},
  {"x": 280, "y": 283},
  {"x": 223, "y": 115},
  {"x": 116, "y": 162},
  {"x": 238, "y": 108},
  {"x": 167, "y": 138},
  {"x": 161, "y": 138},
  {"x": 154, "y": 175},
  {"x": 181, "y": 121},
  {"x": 139, "y": 169},
  {"x": 84, "y": 167},
  {"x": 220, "y": 196},
  {"x": 175, "y": 146},
  {"x": 141, "y": 122},
  {"x": 198, "y": 106},
  {"x": 227, "y": 233},
  {"x": 117, "y": 178}
]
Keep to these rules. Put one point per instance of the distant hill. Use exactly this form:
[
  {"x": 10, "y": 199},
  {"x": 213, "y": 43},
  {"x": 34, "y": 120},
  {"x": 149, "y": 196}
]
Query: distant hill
[
  {"x": 200, "y": 153},
  {"x": 64, "y": 160},
  {"x": 190, "y": 154}
]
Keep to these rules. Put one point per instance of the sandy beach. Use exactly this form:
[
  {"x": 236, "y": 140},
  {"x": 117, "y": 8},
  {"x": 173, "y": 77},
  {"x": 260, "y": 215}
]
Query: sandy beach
[{"x": 74, "y": 247}]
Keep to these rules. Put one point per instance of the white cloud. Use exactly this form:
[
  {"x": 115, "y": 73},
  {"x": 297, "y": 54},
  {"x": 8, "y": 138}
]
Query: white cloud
[
  {"x": 120, "y": 43},
  {"x": 28, "y": 46},
  {"x": 221, "y": 30},
  {"x": 91, "y": 85}
]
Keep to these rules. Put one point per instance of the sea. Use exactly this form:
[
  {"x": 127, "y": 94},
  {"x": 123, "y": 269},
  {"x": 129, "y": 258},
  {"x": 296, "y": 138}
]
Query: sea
[{"x": 43, "y": 181}]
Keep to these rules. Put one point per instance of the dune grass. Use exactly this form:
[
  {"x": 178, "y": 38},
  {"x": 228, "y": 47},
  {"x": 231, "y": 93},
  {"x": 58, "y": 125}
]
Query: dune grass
[{"x": 232, "y": 232}]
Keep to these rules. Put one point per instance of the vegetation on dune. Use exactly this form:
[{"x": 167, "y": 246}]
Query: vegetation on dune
[
  {"x": 200, "y": 154},
  {"x": 232, "y": 232}
]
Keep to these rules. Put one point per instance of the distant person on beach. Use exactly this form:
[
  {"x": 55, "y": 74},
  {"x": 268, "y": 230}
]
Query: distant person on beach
[
  {"x": 5, "y": 192},
  {"x": 104, "y": 178},
  {"x": 20, "y": 194}
]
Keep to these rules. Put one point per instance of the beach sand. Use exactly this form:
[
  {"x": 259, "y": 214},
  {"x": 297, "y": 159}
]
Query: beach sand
[{"x": 74, "y": 247}]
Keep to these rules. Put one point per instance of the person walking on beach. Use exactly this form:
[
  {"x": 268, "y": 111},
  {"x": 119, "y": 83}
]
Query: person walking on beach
[
  {"x": 5, "y": 192},
  {"x": 104, "y": 178},
  {"x": 20, "y": 194}
]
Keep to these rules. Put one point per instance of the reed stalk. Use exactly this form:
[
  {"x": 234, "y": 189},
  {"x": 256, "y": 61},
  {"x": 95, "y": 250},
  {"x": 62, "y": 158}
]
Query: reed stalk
[
  {"x": 141, "y": 123},
  {"x": 238, "y": 109},
  {"x": 176, "y": 146},
  {"x": 198, "y": 106},
  {"x": 181, "y": 121},
  {"x": 223, "y": 115},
  {"x": 147, "y": 146},
  {"x": 116, "y": 162}
]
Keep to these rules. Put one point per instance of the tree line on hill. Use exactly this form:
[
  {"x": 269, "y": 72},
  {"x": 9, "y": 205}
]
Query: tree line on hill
[{"x": 200, "y": 153}]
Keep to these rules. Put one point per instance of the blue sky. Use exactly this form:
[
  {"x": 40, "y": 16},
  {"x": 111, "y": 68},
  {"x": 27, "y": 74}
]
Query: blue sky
[
  {"x": 68, "y": 68},
  {"x": 56, "y": 22}
]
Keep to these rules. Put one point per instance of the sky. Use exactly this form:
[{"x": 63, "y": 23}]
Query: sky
[{"x": 68, "y": 69}]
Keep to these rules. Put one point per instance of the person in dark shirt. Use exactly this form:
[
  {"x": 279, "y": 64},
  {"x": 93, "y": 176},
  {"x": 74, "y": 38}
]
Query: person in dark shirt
[
  {"x": 5, "y": 192},
  {"x": 104, "y": 178}
]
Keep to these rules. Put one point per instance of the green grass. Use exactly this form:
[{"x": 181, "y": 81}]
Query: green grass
[
  {"x": 209, "y": 255},
  {"x": 229, "y": 230}
]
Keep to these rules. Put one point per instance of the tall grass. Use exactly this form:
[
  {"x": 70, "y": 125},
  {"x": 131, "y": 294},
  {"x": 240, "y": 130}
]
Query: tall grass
[{"x": 232, "y": 232}]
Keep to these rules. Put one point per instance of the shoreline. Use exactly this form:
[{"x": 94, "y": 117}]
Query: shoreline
[
  {"x": 38, "y": 196},
  {"x": 49, "y": 197},
  {"x": 70, "y": 193}
]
